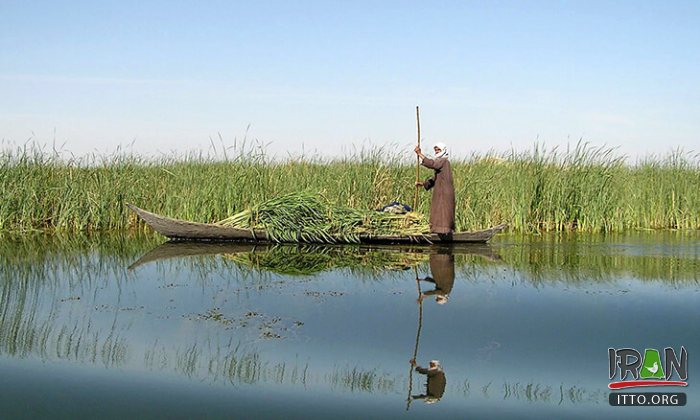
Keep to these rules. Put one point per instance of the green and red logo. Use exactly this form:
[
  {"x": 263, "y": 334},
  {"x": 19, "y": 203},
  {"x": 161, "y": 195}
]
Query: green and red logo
[{"x": 649, "y": 370}]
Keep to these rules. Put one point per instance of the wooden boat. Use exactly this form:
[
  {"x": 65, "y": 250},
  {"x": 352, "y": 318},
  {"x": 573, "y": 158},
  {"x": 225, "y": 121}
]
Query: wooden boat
[{"x": 181, "y": 230}]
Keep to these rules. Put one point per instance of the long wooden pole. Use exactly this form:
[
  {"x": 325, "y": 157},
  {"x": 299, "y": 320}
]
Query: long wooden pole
[{"x": 415, "y": 195}]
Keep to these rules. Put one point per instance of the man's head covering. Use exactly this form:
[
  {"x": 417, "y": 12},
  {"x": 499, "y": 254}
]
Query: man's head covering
[
  {"x": 443, "y": 150},
  {"x": 441, "y": 299},
  {"x": 435, "y": 363}
]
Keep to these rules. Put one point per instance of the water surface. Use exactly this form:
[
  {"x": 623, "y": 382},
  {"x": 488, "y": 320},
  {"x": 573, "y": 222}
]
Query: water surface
[{"x": 124, "y": 326}]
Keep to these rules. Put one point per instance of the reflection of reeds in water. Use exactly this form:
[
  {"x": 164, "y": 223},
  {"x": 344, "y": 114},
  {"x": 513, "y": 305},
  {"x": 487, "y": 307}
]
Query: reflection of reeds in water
[
  {"x": 533, "y": 392},
  {"x": 44, "y": 257},
  {"x": 536, "y": 392},
  {"x": 308, "y": 260},
  {"x": 237, "y": 365},
  {"x": 228, "y": 362},
  {"x": 38, "y": 319},
  {"x": 575, "y": 262},
  {"x": 27, "y": 329},
  {"x": 83, "y": 260},
  {"x": 234, "y": 364},
  {"x": 76, "y": 345},
  {"x": 50, "y": 342},
  {"x": 40, "y": 277},
  {"x": 22, "y": 335},
  {"x": 355, "y": 379},
  {"x": 536, "y": 262},
  {"x": 287, "y": 263}
]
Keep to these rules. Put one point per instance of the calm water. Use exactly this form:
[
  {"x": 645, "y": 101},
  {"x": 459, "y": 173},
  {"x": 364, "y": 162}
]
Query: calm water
[{"x": 114, "y": 327}]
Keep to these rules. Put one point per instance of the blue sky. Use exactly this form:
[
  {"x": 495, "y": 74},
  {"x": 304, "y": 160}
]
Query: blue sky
[{"x": 166, "y": 76}]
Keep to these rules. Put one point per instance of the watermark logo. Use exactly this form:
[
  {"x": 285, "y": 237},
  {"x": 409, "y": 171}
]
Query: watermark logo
[
  {"x": 635, "y": 370},
  {"x": 649, "y": 370}
]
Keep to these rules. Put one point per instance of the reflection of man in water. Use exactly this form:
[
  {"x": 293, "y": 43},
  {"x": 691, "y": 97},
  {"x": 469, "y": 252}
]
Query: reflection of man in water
[
  {"x": 436, "y": 382},
  {"x": 442, "y": 267}
]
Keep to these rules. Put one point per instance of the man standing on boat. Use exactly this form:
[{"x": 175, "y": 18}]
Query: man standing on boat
[{"x": 442, "y": 206}]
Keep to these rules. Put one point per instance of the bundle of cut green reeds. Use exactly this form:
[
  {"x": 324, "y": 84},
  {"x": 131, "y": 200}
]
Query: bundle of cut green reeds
[{"x": 309, "y": 217}]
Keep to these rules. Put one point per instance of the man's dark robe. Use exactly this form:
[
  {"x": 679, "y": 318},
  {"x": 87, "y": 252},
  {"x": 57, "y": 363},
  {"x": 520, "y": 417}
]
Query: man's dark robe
[{"x": 442, "y": 205}]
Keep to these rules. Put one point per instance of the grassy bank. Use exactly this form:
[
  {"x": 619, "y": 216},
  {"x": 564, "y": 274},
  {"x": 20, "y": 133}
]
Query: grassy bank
[{"x": 583, "y": 188}]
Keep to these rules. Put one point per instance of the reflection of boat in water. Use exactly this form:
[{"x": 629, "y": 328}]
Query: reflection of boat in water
[
  {"x": 193, "y": 231},
  {"x": 174, "y": 250},
  {"x": 312, "y": 258}
]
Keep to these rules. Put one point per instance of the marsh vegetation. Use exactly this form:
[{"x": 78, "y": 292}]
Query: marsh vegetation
[{"x": 582, "y": 188}]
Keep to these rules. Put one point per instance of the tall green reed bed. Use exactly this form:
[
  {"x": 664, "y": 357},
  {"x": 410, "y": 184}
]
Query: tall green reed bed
[{"x": 582, "y": 188}]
